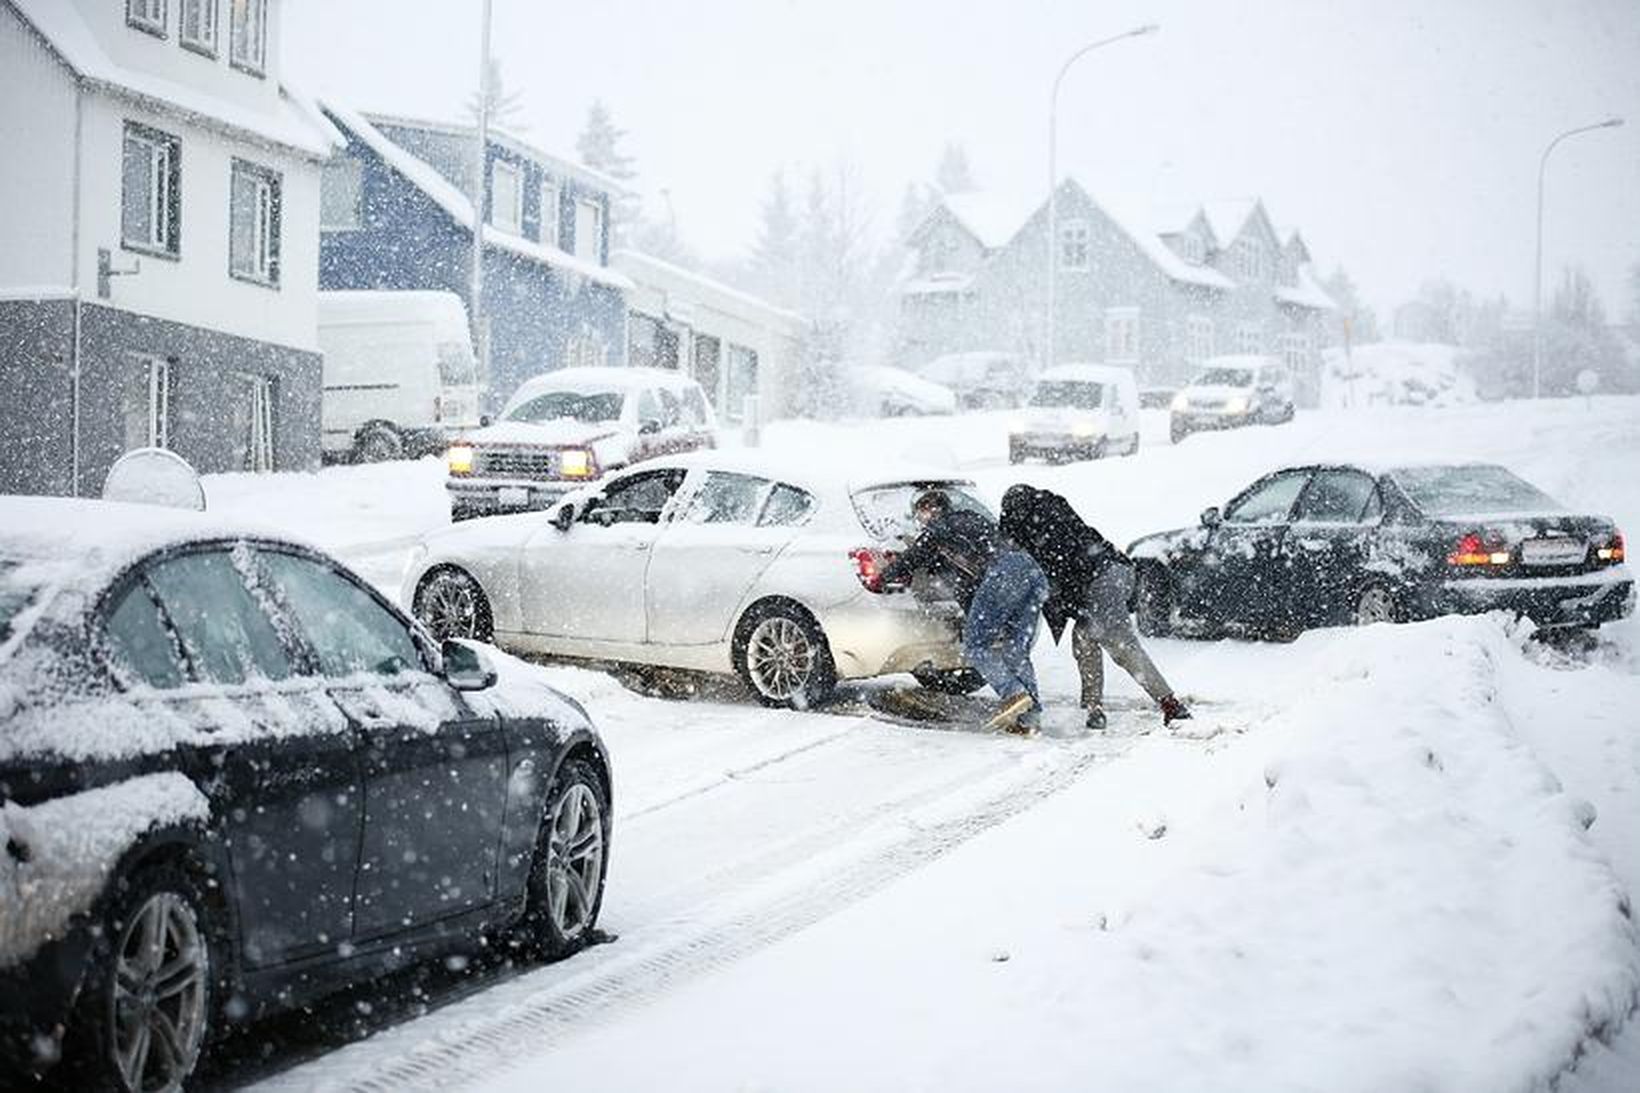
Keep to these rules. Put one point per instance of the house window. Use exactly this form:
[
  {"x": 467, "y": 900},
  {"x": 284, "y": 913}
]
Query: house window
[
  {"x": 1122, "y": 334},
  {"x": 196, "y": 29},
  {"x": 585, "y": 350},
  {"x": 505, "y": 194},
  {"x": 1073, "y": 245},
  {"x": 1247, "y": 258},
  {"x": 589, "y": 230},
  {"x": 1191, "y": 248},
  {"x": 248, "y": 35},
  {"x": 145, "y": 403},
  {"x": 252, "y": 420},
  {"x": 739, "y": 380},
  {"x": 550, "y": 199},
  {"x": 341, "y": 195},
  {"x": 1249, "y": 338},
  {"x": 253, "y": 224},
  {"x": 151, "y": 193},
  {"x": 148, "y": 15},
  {"x": 1198, "y": 338},
  {"x": 1295, "y": 351}
]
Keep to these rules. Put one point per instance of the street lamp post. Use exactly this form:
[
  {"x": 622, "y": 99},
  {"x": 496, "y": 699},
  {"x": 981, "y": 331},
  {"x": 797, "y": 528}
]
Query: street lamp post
[
  {"x": 1053, "y": 174},
  {"x": 481, "y": 142},
  {"x": 1537, "y": 270}
]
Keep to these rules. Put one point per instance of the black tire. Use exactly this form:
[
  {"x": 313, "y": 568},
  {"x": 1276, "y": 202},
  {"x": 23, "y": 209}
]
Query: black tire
[
  {"x": 782, "y": 656},
  {"x": 566, "y": 887},
  {"x": 1153, "y": 602},
  {"x": 1016, "y": 454},
  {"x": 451, "y": 604},
  {"x": 168, "y": 1002},
  {"x": 1375, "y": 603},
  {"x": 1133, "y": 449},
  {"x": 1177, "y": 432},
  {"x": 378, "y": 443},
  {"x": 948, "y": 681},
  {"x": 1099, "y": 450}
]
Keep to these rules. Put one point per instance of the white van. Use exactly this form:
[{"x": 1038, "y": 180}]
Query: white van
[
  {"x": 400, "y": 375},
  {"x": 1078, "y": 411}
]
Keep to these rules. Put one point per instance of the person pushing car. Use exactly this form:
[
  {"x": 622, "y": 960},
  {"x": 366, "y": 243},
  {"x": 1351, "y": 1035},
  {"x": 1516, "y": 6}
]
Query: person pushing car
[
  {"x": 1091, "y": 585},
  {"x": 1001, "y": 590}
]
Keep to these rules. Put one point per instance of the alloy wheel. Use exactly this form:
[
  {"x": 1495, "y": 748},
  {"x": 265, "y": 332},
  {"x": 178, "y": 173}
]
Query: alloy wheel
[
  {"x": 780, "y": 658},
  {"x": 449, "y": 607},
  {"x": 575, "y": 860},
  {"x": 161, "y": 977},
  {"x": 1375, "y": 605}
]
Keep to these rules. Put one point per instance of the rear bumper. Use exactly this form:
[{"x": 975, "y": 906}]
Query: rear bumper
[
  {"x": 1568, "y": 601},
  {"x": 1054, "y": 443},
  {"x": 878, "y": 634},
  {"x": 1201, "y": 421},
  {"x": 490, "y": 496}
]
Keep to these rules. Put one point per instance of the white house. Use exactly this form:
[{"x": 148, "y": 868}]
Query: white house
[{"x": 159, "y": 213}]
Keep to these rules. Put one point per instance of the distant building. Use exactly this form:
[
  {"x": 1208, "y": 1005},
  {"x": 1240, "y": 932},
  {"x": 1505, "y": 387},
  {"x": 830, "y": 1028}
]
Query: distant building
[
  {"x": 1214, "y": 279},
  {"x": 159, "y": 208},
  {"x": 732, "y": 343},
  {"x": 396, "y": 215}
]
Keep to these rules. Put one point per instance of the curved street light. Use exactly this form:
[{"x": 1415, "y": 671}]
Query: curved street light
[
  {"x": 1053, "y": 172},
  {"x": 1537, "y": 274}
]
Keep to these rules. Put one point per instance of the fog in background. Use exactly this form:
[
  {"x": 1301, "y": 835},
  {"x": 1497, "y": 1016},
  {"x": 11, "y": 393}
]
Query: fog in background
[{"x": 1401, "y": 136}]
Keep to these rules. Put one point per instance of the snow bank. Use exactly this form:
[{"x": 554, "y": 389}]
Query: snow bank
[
  {"x": 1396, "y": 374},
  {"x": 71, "y": 844}
]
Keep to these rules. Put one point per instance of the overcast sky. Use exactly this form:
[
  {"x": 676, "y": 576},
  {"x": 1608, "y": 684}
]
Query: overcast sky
[{"x": 1401, "y": 136}]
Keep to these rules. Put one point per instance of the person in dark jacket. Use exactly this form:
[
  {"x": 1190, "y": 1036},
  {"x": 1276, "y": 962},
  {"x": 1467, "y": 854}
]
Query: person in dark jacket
[
  {"x": 1091, "y": 585},
  {"x": 1001, "y": 589}
]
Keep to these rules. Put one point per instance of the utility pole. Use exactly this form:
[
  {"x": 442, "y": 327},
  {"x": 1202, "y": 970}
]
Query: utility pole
[{"x": 481, "y": 325}]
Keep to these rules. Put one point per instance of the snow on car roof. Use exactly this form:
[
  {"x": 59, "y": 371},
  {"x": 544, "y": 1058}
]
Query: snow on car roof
[
  {"x": 1086, "y": 373},
  {"x": 601, "y": 379},
  {"x": 868, "y": 471},
  {"x": 389, "y": 306}
]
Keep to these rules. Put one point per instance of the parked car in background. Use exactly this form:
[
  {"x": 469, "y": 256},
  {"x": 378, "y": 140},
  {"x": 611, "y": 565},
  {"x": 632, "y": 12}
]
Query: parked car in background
[
  {"x": 1335, "y": 545},
  {"x": 714, "y": 561},
  {"x": 400, "y": 378},
  {"x": 893, "y": 392},
  {"x": 234, "y": 778},
  {"x": 1078, "y": 411},
  {"x": 1157, "y": 398},
  {"x": 572, "y": 426},
  {"x": 982, "y": 380},
  {"x": 1233, "y": 391}
]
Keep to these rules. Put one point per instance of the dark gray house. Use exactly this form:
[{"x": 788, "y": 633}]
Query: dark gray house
[
  {"x": 1211, "y": 280},
  {"x": 159, "y": 210},
  {"x": 395, "y": 215}
]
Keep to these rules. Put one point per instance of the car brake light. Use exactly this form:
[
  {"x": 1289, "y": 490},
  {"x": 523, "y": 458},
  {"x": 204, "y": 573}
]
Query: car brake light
[
  {"x": 1613, "y": 550},
  {"x": 1473, "y": 550},
  {"x": 868, "y": 566}
]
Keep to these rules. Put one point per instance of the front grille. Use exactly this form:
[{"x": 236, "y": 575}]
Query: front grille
[{"x": 515, "y": 464}]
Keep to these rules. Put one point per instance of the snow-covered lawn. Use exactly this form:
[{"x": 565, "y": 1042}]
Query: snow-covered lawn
[{"x": 1364, "y": 867}]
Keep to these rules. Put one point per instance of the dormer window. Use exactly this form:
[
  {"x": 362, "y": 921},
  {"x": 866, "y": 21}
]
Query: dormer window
[
  {"x": 505, "y": 197},
  {"x": 1192, "y": 249},
  {"x": 248, "y": 35},
  {"x": 1247, "y": 258},
  {"x": 550, "y": 200},
  {"x": 146, "y": 15},
  {"x": 589, "y": 230},
  {"x": 196, "y": 28}
]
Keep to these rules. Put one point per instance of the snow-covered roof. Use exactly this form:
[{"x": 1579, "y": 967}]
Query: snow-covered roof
[
  {"x": 371, "y": 305},
  {"x": 1307, "y": 293},
  {"x": 1129, "y": 219},
  {"x": 1175, "y": 218},
  {"x": 1228, "y": 217},
  {"x": 936, "y": 284},
  {"x": 598, "y": 379},
  {"x": 635, "y": 263},
  {"x": 511, "y": 141},
  {"x": 294, "y": 124},
  {"x": 991, "y": 218},
  {"x": 424, "y": 177}
]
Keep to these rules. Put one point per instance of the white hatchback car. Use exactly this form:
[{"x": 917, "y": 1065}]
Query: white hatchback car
[{"x": 713, "y": 561}]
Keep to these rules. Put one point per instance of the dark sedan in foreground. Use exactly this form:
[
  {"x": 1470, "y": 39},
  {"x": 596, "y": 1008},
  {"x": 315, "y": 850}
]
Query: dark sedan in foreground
[
  {"x": 1337, "y": 545},
  {"x": 234, "y": 778}
]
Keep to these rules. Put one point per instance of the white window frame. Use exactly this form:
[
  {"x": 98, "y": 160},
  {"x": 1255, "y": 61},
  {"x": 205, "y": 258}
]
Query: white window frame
[
  {"x": 1249, "y": 258},
  {"x": 164, "y": 207},
  {"x": 203, "y": 13},
  {"x": 1192, "y": 249},
  {"x": 507, "y": 216},
  {"x": 350, "y": 171},
  {"x": 159, "y": 399},
  {"x": 552, "y": 199},
  {"x": 259, "y": 444},
  {"x": 262, "y": 266},
  {"x": 1198, "y": 338},
  {"x": 1122, "y": 335},
  {"x": 589, "y": 244},
  {"x": 147, "y": 16},
  {"x": 1295, "y": 351},
  {"x": 1249, "y": 338},
  {"x": 252, "y": 16},
  {"x": 1075, "y": 246},
  {"x": 585, "y": 350}
]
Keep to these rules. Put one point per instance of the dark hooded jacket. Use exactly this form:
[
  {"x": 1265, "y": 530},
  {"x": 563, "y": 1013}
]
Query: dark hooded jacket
[
  {"x": 1070, "y": 552},
  {"x": 958, "y": 545}
]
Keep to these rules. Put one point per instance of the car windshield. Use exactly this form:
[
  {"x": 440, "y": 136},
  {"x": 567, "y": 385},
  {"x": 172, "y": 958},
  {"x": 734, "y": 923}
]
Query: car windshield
[
  {"x": 885, "y": 511},
  {"x": 15, "y": 594},
  {"x": 587, "y": 406},
  {"x": 1225, "y": 377},
  {"x": 1458, "y": 491},
  {"x": 1071, "y": 394}
]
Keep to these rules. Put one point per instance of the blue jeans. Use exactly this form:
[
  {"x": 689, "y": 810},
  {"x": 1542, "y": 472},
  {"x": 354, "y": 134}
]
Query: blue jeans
[{"x": 1001, "y": 625}]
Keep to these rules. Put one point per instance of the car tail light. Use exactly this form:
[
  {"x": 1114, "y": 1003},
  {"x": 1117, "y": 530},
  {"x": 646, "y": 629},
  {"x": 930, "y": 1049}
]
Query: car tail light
[
  {"x": 869, "y": 563},
  {"x": 1473, "y": 549},
  {"x": 1612, "y": 552}
]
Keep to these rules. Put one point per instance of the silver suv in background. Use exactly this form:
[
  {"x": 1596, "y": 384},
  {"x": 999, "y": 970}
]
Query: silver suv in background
[{"x": 1233, "y": 391}]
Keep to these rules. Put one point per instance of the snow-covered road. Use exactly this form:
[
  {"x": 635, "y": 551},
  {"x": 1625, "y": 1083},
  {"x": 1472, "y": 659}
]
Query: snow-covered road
[{"x": 823, "y": 900}]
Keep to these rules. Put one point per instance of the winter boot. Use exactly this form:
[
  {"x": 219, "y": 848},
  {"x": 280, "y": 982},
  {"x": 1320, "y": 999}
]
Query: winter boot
[
  {"x": 1173, "y": 710},
  {"x": 1008, "y": 716},
  {"x": 1096, "y": 719}
]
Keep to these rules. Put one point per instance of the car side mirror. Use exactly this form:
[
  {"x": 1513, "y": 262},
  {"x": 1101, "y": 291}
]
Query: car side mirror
[
  {"x": 483, "y": 420},
  {"x": 563, "y": 516},
  {"x": 465, "y": 667},
  {"x": 1211, "y": 517},
  {"x": 649, "y": 425}
]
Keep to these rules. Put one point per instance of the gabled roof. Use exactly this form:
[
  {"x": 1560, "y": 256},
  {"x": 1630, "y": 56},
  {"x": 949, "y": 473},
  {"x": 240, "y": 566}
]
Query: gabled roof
[
  {"x": 990, "y": 218},
  {"x": 1127, "y": 218},
  {"x": 294, "y": 124},
  {"x": 1307, "y": 293},
  {"x": 1227, "y": 218},
  {"x": 637, "y": 263},
  {"x": 508, "y": 140},
  {"x": 455, "y": 204}
]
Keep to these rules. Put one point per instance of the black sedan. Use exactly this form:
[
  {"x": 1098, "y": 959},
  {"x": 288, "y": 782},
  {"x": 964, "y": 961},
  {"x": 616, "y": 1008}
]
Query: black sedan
[
  {"x": 234, "y": 778},
  {"x": 1337, "y": 545}
]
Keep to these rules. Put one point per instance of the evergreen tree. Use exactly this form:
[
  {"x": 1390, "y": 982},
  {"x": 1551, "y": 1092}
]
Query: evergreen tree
[
  {"x": 775, "y": 254},
  {"x": 915, "y": 205},
  {"x": 506, "y": 108},
  {"x": 954, "y": 175},
  {"x": 599, "y": 148}
]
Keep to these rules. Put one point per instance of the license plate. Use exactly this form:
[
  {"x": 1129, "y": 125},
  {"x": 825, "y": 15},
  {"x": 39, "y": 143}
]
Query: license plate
[
  {"x": 1556, "y": 551},
  {"x": 514, "y": 497}
]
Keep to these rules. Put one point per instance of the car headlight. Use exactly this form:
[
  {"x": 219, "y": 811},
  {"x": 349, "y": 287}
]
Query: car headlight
[
  {"x": 1018, "y": 425},
  {"x": 1084, "y": 429},
  {"x": 1180, "y": 402},
  {"x": 1236, "y": 405},
  {"x": 575, "y": 463},
  {"x": 460, "y": 458}
]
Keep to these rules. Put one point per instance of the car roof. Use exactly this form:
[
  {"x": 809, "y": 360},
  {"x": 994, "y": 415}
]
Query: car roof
[
  {"x": 802, "y": 472},
  {"x": 603, "y": 379},
  {"x": 1239, "y": 360},
  {"x": 1087, "y": 373}
]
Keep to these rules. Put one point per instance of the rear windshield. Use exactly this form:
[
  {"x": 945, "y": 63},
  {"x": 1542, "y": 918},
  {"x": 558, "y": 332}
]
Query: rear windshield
[
  {"x": 456, "y": 365},
  {"x": 1079, "y": 396},
  {"x": 556, "y": 405},
  {"x": 885, "y": 511},
  {"x": 1226, "y": 377},
  {"x": 15, "y": 594},
  {"x": 1457, "y": 491}
]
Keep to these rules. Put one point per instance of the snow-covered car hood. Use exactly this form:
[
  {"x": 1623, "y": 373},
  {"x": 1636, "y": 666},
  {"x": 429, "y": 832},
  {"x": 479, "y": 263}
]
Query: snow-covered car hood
[
  {"x": 558, "y": 433},
  {"x": 1216, "y": 392},
  {"x": 1066, "y": 418},
  {"x": 1161, "y": 544}
]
